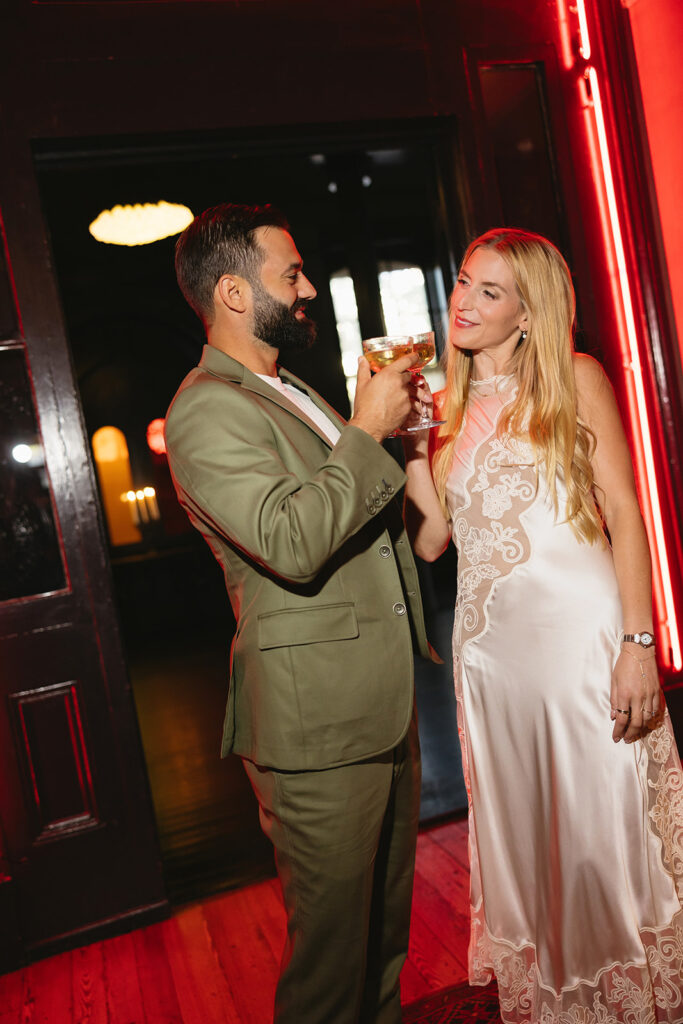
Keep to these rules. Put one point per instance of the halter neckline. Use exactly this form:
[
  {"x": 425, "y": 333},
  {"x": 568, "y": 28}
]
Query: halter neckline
[{"x": 491, "y": 380}]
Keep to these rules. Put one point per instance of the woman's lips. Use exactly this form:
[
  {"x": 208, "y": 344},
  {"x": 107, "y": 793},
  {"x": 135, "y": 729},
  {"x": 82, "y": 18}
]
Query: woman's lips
[{"x": 461, "y": 322}]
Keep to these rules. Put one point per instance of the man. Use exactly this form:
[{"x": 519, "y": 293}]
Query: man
[{"x": 300, "y": 510}]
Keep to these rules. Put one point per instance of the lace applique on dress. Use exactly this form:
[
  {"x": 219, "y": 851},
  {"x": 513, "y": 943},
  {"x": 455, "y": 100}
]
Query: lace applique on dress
[
  {"x": 505, "y": 483},
  {"x": 665, "y": 782}
]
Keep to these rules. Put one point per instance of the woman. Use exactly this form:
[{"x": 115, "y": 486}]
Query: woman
[{"x": 574, "y": 783}]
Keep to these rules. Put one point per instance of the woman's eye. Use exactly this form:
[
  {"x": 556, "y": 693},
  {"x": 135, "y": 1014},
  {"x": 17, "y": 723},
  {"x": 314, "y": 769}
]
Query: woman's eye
[
  {"x": 489, "y": 295},
  {"x": 462, "y": 280}
]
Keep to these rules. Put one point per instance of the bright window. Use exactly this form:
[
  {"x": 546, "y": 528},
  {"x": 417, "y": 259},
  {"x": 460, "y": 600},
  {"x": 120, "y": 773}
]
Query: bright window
[{"x": 404, "y": 306}]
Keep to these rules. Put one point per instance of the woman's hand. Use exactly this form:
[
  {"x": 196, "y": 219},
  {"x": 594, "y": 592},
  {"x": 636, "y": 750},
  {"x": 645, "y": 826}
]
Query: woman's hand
[
  {"x": 636, "y": 697},
  {"x": 427, "y": 527},
  {"x": 421, "y": 401}
]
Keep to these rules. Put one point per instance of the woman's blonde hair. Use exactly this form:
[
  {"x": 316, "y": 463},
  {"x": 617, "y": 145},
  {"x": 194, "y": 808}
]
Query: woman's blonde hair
[{"x": 545, "y": 405}]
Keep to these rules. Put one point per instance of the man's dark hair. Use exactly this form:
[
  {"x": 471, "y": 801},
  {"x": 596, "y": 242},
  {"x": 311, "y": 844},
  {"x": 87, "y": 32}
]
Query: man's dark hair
[{"x": 221, "y": 241}]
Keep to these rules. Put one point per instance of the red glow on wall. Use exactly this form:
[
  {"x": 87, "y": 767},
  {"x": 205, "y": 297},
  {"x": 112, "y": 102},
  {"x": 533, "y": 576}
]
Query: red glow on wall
[
  {"x": 657, "y": 29},
  {"x": 155, "y": 437},
  {"x": 627, "y": 332}
]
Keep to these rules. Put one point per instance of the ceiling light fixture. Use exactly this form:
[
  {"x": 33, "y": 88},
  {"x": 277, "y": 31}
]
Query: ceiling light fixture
[{"x": 140, "y": 224}]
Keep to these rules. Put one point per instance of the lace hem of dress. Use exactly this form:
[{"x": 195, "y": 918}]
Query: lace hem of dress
[
  {"x": 647, "y": 993},
  {"x": 622, "y": 993},
  {"x": 664, "y": 797}
]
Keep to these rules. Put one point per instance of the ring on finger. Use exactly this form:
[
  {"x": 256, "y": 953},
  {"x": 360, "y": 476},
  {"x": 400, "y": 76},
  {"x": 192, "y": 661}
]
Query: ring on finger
[{"x": 623, "y": 711}]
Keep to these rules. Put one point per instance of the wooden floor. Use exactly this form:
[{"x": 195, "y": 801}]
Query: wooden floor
[{"x": 215, "y": 962}]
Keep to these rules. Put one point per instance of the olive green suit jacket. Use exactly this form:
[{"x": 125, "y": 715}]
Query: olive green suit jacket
[{"x": 318, "y": 569}]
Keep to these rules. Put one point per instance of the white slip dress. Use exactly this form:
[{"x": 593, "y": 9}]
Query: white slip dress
[{"x": 576, "y": 843}]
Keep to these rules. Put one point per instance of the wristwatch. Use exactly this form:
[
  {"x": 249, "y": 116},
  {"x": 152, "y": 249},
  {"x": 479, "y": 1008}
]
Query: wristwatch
[{"x": 644, "y": 639}]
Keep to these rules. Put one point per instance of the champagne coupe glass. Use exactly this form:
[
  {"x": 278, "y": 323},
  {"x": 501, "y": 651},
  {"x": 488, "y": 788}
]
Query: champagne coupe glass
[
  {"x": 380, "y": 352},
  {"x": 425, "y": 347}
]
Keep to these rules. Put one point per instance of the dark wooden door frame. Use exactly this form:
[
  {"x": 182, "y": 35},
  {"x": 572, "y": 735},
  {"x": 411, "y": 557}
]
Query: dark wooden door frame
[{"x": 61, "y": 656}]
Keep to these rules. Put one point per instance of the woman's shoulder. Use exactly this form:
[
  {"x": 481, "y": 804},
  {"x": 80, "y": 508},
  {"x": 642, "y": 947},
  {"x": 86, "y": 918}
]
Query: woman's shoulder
[
  {"x": 589, "y": 374},
  {"x": 594, "y": 392}
]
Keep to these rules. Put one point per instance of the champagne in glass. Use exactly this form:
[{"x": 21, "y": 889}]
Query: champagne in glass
[
  {"x": 425, "y": 347},
  {"x": 380, "y": 352}
]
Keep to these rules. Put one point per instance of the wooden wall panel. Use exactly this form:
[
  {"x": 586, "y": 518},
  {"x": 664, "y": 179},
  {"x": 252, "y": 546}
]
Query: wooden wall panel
[{"x": 55, "y": 761}]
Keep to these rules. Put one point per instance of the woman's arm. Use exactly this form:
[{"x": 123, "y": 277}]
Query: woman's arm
[
  {"x": 635, "y": 681},
  {"x": 426, "y": 525}
]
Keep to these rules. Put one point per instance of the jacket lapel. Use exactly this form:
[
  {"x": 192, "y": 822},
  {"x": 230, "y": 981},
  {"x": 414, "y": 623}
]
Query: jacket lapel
[{"x": 219, "y": 364}]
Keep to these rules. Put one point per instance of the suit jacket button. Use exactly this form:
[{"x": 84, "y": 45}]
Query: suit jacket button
[
  {"x": 385, "y": 551},
  {"x": 399, "y": 609},
  {"x": 378, "y": 502},
  {"x": 371, "y": 509}
]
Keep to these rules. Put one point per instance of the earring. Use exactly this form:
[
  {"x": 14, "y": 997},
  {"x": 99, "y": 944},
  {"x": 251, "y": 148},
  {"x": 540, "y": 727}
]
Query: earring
[{"x": 524, "y": 333}]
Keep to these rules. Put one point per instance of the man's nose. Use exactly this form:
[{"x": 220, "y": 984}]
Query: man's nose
[{"x": 306, "y": 289}]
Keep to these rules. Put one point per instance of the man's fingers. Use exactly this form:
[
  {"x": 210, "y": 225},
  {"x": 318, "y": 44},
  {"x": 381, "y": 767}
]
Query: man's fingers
[
  {"x": 404, "y": 363},
  {"x": 364, "y": 373}
]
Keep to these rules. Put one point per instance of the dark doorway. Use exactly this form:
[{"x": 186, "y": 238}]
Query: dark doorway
[{"x": 363, "y": 209}]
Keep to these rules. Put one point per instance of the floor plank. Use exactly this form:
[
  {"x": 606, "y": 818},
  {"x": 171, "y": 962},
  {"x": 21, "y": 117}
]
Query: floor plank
[
  {"x": 89, "y": 997},
  {"x": 11, "y": 997},
  {"x": 413, "y": 984},
  {"x": 203, "y": 992},
  {"x": 436, "y": 863},
  {"x": 248, "y": 964},
  {"x": 432, "y": 959},
  {"x": 47, "y": 992},
  {"x": 122, "y": 982},
  {"x": 159, "y": 1000}
]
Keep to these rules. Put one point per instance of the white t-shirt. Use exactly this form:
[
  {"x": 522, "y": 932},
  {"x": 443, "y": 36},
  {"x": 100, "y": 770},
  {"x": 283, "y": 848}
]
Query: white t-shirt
[{"x": 307, "y": 406}]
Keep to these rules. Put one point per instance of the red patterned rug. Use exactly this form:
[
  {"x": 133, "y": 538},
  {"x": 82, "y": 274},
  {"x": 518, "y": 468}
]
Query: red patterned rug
[{"x": 457, "y": 1005}]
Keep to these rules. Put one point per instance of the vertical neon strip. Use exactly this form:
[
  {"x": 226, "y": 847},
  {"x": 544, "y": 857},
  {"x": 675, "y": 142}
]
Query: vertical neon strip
[
  {"x": 565, "y": 35},
  {"x": 585, "y": 46},
  {"x": 637, "y": 374}
]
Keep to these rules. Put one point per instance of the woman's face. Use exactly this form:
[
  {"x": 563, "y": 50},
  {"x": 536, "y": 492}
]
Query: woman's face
[{"x": 488, "y": 314}]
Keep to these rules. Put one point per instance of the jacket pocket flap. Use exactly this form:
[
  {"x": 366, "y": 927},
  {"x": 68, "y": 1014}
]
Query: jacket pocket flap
[{"x": 313, "y": 625}]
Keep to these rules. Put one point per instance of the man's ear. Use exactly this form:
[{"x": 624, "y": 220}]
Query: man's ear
[{"x": 232, "y": 291}]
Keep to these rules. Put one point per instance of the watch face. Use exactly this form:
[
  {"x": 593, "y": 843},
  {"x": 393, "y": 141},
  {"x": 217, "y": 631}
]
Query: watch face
[{"x": 646, "y": 639}]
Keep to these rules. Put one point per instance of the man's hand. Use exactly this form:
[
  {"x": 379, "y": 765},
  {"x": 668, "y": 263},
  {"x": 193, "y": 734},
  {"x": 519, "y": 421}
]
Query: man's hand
[{"x": 383, "y": 401}]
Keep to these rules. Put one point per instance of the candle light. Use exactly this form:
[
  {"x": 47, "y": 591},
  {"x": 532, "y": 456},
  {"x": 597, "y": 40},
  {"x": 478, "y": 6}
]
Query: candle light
[
  {"x": 129, "y": 497},
  {"x": 151, "y": 502},
  {"x": 143, "y": 505}
]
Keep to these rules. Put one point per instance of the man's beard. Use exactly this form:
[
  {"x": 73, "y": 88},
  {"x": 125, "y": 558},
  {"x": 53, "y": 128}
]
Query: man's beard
[{"x": 275, "y": 323}]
